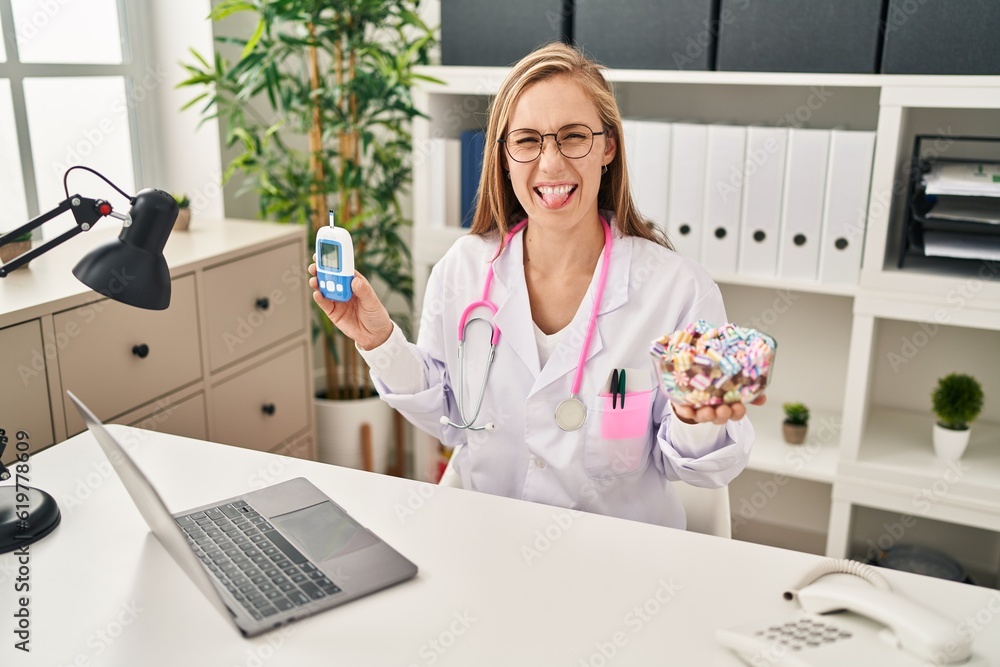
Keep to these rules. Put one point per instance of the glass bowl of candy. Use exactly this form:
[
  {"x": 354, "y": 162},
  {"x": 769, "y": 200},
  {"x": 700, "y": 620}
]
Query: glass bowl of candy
[{"x": 702, "y": 364}]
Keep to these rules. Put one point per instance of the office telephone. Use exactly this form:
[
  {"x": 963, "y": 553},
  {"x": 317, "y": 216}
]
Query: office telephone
[{"x": 877, "y": 626}]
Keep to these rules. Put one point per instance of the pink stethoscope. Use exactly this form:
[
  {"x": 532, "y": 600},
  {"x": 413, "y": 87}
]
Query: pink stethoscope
[{"x": 571, "y": 413}]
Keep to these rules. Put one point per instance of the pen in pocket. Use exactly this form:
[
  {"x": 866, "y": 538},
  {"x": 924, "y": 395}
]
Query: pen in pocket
[
  {"x": 614, "y": 389},
  {"x": 621, "y": 386}
]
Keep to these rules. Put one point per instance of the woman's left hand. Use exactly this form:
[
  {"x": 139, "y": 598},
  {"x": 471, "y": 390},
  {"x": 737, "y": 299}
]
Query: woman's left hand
[{"x": 718, "y": 414}]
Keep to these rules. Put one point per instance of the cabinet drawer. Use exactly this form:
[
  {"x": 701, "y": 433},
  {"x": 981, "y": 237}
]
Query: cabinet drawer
[
  {"x": 188, "y": 418},
  {"x": 253, "y": 302},
  {"x": 103, "y": 363},
  {"x": 24, "y": 386},
  {"x": 242, "y": 413}
]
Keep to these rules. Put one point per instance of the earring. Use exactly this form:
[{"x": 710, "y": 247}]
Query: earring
[
  {"x": 604, "y": 169},
  {"x": 508, "y": 175}
]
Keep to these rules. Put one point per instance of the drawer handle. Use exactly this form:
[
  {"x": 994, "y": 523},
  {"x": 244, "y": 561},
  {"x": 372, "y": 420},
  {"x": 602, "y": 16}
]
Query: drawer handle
[
  {"x": 267, "y": 408},
  {"x": 263, "y": 303},
  {"x": 141, "y": 351}
]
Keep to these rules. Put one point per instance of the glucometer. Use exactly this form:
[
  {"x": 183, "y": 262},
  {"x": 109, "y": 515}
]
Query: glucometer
[{"x": 334, "y": 262}]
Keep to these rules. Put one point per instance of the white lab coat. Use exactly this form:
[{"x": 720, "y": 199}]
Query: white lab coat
[{"x": 650, "y": 291}]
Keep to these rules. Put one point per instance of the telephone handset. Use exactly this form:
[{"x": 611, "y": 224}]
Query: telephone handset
[{"x": 881, "y": 627}]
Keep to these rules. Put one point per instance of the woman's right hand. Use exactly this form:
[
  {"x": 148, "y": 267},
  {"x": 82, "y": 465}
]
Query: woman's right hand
[{"x": 363, "y": 319}]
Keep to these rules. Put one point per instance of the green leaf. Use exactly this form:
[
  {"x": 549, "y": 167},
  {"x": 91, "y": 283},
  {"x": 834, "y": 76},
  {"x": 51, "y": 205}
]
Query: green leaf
[
  {"x": 229, "y": 7},
  {"x": 254, "y": 38},
  {"x": 190, "y": 103}
]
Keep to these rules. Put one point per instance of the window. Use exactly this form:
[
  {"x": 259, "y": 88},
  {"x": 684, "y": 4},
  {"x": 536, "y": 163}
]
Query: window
[{"x": 69, "y": 85}]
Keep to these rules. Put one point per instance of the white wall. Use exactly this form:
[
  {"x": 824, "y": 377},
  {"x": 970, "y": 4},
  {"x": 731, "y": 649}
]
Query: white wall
[{"x": 185, "y": 158}]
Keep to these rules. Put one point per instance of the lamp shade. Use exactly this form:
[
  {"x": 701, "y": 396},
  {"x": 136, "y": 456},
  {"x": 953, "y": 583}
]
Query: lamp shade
[{"x": 131, "y": 268}]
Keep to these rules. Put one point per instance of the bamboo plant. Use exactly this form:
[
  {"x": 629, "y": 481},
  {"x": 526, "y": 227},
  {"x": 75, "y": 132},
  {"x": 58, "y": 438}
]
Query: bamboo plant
[{"x": 334, "y": 77}]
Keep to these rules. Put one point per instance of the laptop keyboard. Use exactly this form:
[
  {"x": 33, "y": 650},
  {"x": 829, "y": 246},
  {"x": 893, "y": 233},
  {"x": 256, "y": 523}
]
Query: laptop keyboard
[{"x": 255, "y": 563}]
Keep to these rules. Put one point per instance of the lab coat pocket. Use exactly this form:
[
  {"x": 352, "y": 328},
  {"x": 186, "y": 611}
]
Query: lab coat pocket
[{"x": 617, "y": 439}]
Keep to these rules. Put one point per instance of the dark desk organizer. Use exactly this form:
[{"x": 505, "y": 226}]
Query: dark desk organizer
[{"x": 919, "y": 204}]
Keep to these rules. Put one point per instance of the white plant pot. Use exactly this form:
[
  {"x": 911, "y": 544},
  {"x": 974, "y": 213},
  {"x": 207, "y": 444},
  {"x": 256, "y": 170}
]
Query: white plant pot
[
  {"x": 338, "y": 431},
  {"x": 949, "y": 445}
]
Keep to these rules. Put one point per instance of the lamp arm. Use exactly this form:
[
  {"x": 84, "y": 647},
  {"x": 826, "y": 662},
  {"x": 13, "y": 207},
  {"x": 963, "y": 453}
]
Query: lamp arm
[
  {"x": 4, "y": 473},
  {"x": 86, "y": 211}
]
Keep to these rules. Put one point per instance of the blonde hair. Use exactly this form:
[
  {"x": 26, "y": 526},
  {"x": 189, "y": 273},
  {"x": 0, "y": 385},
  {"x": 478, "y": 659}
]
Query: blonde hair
[{"x": 498, "y": 208}]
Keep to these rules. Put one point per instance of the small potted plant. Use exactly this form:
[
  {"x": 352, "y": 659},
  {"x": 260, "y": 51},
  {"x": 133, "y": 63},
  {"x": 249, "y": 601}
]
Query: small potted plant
[
  {"x": 957, "y": 401},
  {"x": 183, "y": 212},
  {"x": 17, "y": 247},
  {"x": 796, "y": 423}
]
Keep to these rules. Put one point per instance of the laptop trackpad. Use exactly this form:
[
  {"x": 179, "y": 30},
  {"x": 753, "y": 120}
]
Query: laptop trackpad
[{"x": 323, "y": 531}]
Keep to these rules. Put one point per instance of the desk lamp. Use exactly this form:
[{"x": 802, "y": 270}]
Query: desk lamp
[{"x": 134, "y": 264}]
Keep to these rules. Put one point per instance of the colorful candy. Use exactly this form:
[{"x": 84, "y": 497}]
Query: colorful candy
[{"x": 706, "y": 365}]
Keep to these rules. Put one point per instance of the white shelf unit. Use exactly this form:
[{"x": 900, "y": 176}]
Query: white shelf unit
[{"x": 865, "y": 454}]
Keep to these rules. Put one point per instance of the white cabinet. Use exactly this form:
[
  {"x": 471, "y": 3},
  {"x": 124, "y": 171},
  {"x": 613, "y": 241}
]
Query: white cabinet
[
  {"x": 867, "y": 467},
  {"x": 230, "y": 360},
  {"x": 24, "y": 387}
]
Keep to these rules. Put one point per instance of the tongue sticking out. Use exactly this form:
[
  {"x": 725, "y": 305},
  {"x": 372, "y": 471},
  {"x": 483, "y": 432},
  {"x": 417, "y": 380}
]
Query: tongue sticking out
[{"x": 556, "y": 199}]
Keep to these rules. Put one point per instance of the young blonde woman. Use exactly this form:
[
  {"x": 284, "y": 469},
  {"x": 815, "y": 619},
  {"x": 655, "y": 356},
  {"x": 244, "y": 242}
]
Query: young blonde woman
[{"x": 533, "y": 352}]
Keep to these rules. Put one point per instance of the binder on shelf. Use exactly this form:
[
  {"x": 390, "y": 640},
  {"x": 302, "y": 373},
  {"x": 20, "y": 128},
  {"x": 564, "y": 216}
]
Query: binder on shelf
[
  {"x": 762, "y": 192},
  {"x": 685, "y": 193},
  {"x": 445, "y": 165},
  {"x": 845, "y": 211},
  {"x": 802, "y": 203},
  {"x": 649, "y": 168},
  {"x": 723, "y": 197},
  {"x": 473, "y": 145}
]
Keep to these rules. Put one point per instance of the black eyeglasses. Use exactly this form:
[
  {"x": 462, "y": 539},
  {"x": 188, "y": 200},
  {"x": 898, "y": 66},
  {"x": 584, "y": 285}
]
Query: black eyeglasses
[{"x": 573, "y": 141}]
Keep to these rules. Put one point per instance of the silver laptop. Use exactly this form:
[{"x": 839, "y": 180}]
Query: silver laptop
[{"x": 267, "y": 557}]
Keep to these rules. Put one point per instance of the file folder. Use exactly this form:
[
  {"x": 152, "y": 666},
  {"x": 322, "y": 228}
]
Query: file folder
[
  {"x": 846, "y": 209},
  {"x": 723, "y": 197},
  {"x": 685, "y": 195},
  {"x": 630, "y": 131},
  {"x": 762, "y": 191},
  {"x": 649, "y": 169},
  {"x": 802, "y": 203},
  {"x": 445, "y": 164},
  {"x": 473, "y": 147}
]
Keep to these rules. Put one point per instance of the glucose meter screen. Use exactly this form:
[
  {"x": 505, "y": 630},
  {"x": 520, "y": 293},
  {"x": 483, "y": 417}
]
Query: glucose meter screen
[{"x": 330, "y": 256}]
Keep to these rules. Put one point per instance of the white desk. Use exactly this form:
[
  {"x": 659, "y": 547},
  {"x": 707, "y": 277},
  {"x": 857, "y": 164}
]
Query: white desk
[{"x": 104, "y": 592}]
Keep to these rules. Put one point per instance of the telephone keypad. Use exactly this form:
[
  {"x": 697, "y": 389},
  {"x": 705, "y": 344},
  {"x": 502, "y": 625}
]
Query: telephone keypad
[{"x": 803, "y": 633}]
